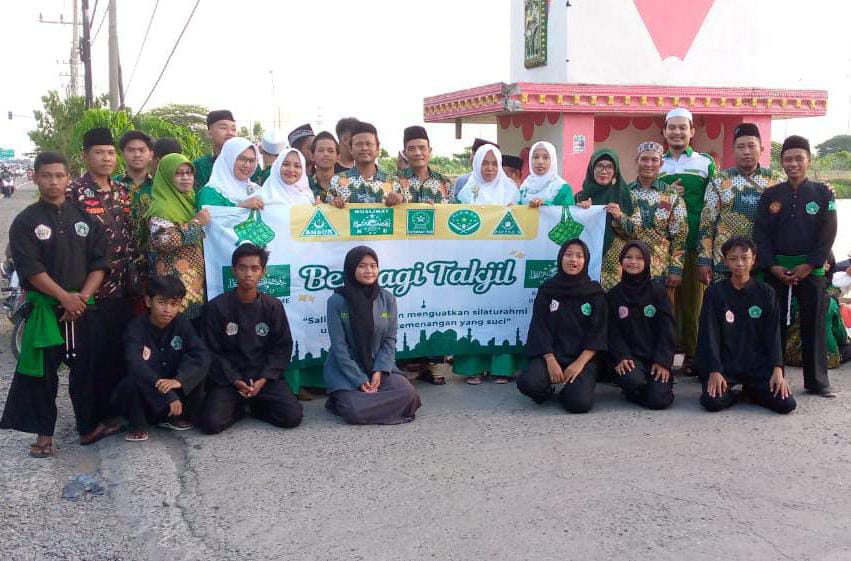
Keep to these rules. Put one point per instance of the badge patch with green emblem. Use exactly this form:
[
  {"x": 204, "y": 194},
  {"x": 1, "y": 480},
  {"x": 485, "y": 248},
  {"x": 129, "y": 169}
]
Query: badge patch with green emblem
[
  {"x": 649, "y": 310},
  {"x": 831, "y": 205},
  {"x": 586, "y": 309},
  {"x": 755, "y": 312},
  {"x": 812, "y": 207},
  {"x": 177, "y": 342},
  {"x": 82, "y": 229}
]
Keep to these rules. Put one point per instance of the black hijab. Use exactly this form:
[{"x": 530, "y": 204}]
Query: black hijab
[
  {"x": 563, "y": 286},
  {"x": 637, "y": 289},
  {"x": 360, "y": 298}
]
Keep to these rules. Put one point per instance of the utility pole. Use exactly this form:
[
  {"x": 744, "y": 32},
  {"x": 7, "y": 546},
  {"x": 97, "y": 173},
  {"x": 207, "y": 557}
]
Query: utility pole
[
  {"x": 114, "y": 72},
  {"x": 75, "y": 50},
  {"x": 86, "y": 54}
]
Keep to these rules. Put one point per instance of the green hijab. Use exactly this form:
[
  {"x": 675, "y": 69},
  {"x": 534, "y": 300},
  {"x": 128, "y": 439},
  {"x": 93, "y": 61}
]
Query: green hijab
[
  {"x": 166, "y": 201},
  {"x": 617, "y": 192}
]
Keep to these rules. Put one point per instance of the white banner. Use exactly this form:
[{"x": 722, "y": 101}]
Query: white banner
[{"x": 464, "y": 276}]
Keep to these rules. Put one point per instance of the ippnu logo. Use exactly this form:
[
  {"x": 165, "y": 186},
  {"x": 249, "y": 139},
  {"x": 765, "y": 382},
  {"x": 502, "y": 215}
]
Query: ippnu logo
[{"x": 464, "y": 222}]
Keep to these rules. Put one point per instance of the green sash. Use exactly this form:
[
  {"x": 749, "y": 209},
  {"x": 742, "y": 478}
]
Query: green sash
[
  {"x": 40, "y": 332},
  {"x": 792, "y": 261}
]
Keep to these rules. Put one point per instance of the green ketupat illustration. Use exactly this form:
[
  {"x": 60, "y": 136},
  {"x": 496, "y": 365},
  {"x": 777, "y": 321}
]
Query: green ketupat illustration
[
  {"x": 254, "y": 230},
  {"x": 567, "y": 229}
]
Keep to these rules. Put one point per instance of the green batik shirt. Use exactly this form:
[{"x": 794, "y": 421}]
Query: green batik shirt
[
  {"x": 317, "y": 188},
  {"x": 694, "y": 170},
  {"x": 729, "y": 210},
  {"x": 140, "y": 200},
  {"x": 659, "y": 220},
  {"x": 436, "y": 188},
  {"x": 352, "y": 187}
]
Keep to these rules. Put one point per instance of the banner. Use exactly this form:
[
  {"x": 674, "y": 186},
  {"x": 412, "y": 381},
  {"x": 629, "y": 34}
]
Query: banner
[{"x": 464, "y": 276}]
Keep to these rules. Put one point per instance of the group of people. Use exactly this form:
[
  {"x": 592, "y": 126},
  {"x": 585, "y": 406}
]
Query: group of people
[{"x": 114, "y": 273}]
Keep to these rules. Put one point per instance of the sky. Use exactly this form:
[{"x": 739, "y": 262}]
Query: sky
[{"x": 375, "y": 60}]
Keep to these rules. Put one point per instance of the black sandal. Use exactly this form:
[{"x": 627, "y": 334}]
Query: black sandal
[{"x": 427, "y": 375}]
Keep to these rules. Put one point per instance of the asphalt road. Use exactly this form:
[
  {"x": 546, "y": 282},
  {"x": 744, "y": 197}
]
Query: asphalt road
[{"x": 482, "y": 474}]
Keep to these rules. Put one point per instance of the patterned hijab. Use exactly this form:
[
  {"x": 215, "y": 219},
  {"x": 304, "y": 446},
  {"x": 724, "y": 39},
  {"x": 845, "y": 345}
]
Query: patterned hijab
[{"x": 167, "y": 201}]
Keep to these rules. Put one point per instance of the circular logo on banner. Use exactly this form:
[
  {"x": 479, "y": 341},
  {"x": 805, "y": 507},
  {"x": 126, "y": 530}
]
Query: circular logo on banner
[
  {"x": 82, "y": 229},
  {"x": 586, "y": 309},
  {"x": 755, "y": 312},
  {"x": 812, "y": 207},
  {"x": 464, "y": 222},
  {"x": 729, "y": 317},
  {"x": 261, "y": 329},
  {"x": 177, "y": 342},
  {"x": 649, "y": 310},
  {"x": 231, "y": 329},
  {"x": 43, "y": 232},
  {"x": 623, "y": 312}
]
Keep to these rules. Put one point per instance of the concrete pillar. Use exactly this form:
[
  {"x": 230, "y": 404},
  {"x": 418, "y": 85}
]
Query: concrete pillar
[{"x": 577, "y": 146}]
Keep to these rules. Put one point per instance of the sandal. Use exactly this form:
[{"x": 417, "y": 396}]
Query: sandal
[
  {"x": 41, "y": 451},
  {"x": 304, "y": 395},
  {"x": 502, "y": 379},
  {"x": 426, "y": 374},
  {"x": 100, "y": 432},
  {"x": 473, "y": 380},
  {"x": 136, "y": 436}
]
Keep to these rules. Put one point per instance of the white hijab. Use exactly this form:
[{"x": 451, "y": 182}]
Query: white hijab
[
  {"x": 275, "y": 191},
  {"x": 477, "y": 191},
  {"x": 222, "y": 178},
  {"x": 546, "y": 186}
]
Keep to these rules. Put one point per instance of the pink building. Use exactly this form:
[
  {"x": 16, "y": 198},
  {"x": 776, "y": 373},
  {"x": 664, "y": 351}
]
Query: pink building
[{"x": 585, "y": 89}]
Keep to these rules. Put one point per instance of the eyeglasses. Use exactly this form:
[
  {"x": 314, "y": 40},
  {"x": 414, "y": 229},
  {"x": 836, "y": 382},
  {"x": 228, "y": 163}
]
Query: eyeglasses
[
  {"x": 604, "y": 167},
  {"x": 186, "y": 172},
  {"x": 248, "y": 161}
]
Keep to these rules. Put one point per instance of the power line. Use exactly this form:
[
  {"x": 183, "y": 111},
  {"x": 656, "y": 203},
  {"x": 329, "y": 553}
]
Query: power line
[
  {"x": 97, "y": 31},
  {"x": 174, "y": 48},
  {"x": 92, "y": 17},
  {"x": 144, "y": 40}
]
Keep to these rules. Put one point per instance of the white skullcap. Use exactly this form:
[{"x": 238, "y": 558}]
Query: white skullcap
[
  {"x": 273, "y": 142},
  {"x": 679, "y": 112}
]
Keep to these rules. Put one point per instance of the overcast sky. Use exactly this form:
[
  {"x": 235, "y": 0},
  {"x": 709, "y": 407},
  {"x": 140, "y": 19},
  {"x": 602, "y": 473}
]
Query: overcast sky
[{"x": 375, "y": 60}]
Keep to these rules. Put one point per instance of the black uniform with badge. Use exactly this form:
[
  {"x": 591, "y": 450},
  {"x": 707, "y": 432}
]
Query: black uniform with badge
[
  {"x": 248, "y": 341},
  {"x": 67, "y": 244},
  {"x": 794, "y": 226},
  {"x": 740, "y": 338},
  {"x": 151, "y": 353}
]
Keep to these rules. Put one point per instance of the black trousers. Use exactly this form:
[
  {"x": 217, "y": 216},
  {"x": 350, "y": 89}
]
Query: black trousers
[
  {"x": 275, "y": 404},
  {"x": 576, "y": 397},
  {"x": 31, "y": 402},
  {"x": 110, "y": 317},
  {"x": 640, "y": 387},
  {"x": 757, "y": 389},
  {"x": 143, "y": 405},
  {"x": 812, "y": 313}
]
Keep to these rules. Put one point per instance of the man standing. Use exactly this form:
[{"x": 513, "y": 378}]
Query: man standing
[
  {"x": 137, "y": 149},
  {"x": 689, "y": 172},
  {"x": 301, "y": 138},
  {"x": 325, "y": 151},
  {"x": 364, "y": 183},
  {"x": 462, "y": 179},
  {"x": 272, "y": 144},
  {"x": 60, "y": 256},
  {"x": 344, "y": 129},
  {"x": 418, "y": 183},
  {"x": 731, "y": 202},
  {"x": 108, "y": 202},
  {"x": 513, "y": 168},
  {"x": 221, "y": 127},
  {"x": 794, "y": 231}
]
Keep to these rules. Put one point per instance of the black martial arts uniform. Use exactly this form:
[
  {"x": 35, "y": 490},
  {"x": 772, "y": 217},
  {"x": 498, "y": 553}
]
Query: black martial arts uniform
[
  {"x": 740, "y": 338},
  {"x": 568, "y": 317},
  {"x": 151, "y": 353},
  {"x": 641, "y": 329},
  {"x": 800, "y": 223},
  {"x": 248, "y": 342},
  {"x": 67, "y": 244}
]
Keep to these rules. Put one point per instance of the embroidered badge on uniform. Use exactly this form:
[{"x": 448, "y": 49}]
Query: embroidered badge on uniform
[
  {"x": 231, "y": 329},
  {"x": 623, "y": 312},
  {"x": 812, "y": 207},
  {"x": 775, "y": 207},
  {"x": 831, "y": 205},
  {"x": 43, "y": 232},
  {"x": 586, "y": 309},
  {"x": 177, "y": 342},
  {"x": 82, "y": 229},
  {"x": 755, "y": 312},
  {"x": 553, "y": 305},
  {"x": 146, "y": 353},
  {"x": 261, "y": 329},
  {"x": 729, "y": 317},
  {"x": 649, "y": 310}
]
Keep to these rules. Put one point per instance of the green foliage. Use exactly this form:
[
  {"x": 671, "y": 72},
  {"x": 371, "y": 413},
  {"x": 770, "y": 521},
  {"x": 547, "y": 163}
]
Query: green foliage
[
  {"x": 775, "y": 156},
  {"x": 838, "y": 143},
  {"x": 55, "y": 122},
  {"x": 842, "y": 188},
  {"x": 193, "y": 117}
]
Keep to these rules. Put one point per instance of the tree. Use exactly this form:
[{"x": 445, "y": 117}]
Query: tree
[
  {"x": 56, "y": 121},
  {"x": 193, "y": 117},
  {"x": 838, "y": 143},
  {"x": 775, "y": 156}
]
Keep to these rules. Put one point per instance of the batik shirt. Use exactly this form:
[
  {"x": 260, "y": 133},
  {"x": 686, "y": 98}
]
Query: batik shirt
[
  {"x": 694, "y": 170},
  {"x": 140, "y": 200},
  {"x": 352, "y": 187},
  {"x": 436, "y": 188},
  {"x": 659, "y": 220},
  {"x": 729, "y": 209},
  {"x": 112, "y": 209}
]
